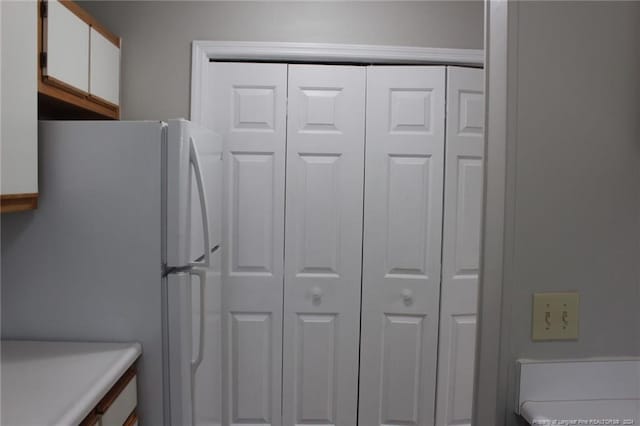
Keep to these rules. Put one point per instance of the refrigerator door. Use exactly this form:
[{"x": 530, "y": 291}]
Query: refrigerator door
[
  {"x": 207, "y": 341},
  {"x": 193, "y": 346},
  {"x": 179, "y": 344},
  {"x": 192, "y": 157}
]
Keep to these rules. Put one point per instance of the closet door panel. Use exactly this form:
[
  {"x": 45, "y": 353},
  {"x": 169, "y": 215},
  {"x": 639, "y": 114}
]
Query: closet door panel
[
  {"x": 402, "y": 245},
  {"x": 251, "y": 207},
  {"x": 461, "y": 244},
  {"x": 249, "y": 109},
  {"x": 323, "y": 249}
]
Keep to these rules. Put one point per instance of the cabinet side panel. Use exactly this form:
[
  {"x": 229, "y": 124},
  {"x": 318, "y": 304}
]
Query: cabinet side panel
[{"x": 19, "y": 134}]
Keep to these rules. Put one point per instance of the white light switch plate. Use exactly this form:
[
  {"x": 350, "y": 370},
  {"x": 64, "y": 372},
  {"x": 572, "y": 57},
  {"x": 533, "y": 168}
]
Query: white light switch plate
[{"x": 555, "y": 316}]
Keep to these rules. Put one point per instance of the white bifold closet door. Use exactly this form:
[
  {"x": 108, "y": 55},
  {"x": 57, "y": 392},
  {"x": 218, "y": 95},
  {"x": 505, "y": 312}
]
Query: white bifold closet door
[
  {"x": 402, "y": 244},
  {"x": 324, "y": 196},
  {"x": 249, "y": 106},
  {"x": 461, "y": 244}
]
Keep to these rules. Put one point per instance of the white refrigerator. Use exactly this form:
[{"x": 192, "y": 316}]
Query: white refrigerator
[{"x": 124, "y": 246}]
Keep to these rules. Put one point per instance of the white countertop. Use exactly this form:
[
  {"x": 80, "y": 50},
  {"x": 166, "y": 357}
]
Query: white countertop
[
  {"x": 591, "y": 412},
  {"x": 589, "y": 391},
  {"x": 58, "y": 383}
]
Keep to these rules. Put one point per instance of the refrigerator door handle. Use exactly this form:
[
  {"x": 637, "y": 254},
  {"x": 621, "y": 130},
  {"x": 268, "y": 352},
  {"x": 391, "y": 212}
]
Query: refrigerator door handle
[
  {"x": 194, "y": 158},
  {"x": 202, "y": 275}
]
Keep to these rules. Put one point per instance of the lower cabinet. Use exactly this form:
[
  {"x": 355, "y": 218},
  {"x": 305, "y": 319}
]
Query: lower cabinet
[
  {"x": 118, "y": 407},
  {"x": 351, "y": 239}
]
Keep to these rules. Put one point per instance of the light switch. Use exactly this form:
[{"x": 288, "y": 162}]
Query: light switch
[{"x": 555, "y": 316}]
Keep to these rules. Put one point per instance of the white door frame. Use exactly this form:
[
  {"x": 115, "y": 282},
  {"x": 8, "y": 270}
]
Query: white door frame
[
  {"x": 492, "y": 345},
  {"x": 491, "y": 368}
]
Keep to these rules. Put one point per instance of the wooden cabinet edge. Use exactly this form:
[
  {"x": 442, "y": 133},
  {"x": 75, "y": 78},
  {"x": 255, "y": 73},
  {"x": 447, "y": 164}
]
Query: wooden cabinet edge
[
  {"x": 132, "y": 419},
  {"x": 51, "y": 81},
  {"x": 92, "y": 419},
  {"x": 104, "y": 102},
  {"x": 115, "y": 391},
  {"x": 18, "y": 202},
  {"x": 87, "y": 102}
]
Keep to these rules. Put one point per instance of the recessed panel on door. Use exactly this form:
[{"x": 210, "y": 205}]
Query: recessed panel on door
[
  {"x": 408, "y": 195},
  {"x": 249, "y": 348},
  {"x": 467, "y": 215},
  {"x": 461, "y": 245},
  {"x": 401, "y": 364},
  {"x": 324, "y": 190},
  {"x": 319, "y": 237},
  {"x": 402, "y": 244},
  {"x": 250, "y": 223},
  {"x": 248, "y": 103},
  {"x": 316, "y": 368}
]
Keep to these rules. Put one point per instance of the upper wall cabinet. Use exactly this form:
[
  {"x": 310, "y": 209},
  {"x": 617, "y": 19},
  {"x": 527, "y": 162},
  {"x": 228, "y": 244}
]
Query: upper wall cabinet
[
  {"x": 19, "y": 106},
  {"x": 104, "y": 68},
  {"x": 79, "y": 64},
  {"x": 66, "y": 45}
]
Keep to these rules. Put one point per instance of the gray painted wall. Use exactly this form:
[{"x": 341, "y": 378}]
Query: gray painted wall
[
  {"x": 577, "y": 188},
  {"x": 156, "y": 52}
]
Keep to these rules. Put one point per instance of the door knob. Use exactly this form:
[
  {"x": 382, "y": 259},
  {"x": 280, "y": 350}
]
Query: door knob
[
  {"x": 407, "y": 296},
  {"x": 316, "y": 294}
]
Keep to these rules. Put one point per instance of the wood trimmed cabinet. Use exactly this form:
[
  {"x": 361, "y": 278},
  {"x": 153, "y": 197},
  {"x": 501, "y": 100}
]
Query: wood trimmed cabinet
[
  {"x": 66, "y": 66},
  {"x": 118, "y": 407},
  {"x": 19, "y": 112},
  {"x": 79, "y": 64}
]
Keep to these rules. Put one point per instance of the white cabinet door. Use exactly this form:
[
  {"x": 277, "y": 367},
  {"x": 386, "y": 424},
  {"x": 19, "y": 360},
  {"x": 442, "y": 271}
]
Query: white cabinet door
[
  {"x": 19, "y": 100},
  {"x": 325, "y": 173},
  {"x": 67, "y": 46},
  {"x": 104, "y": 67},
  {"x": 249, "y": 105},
  {"x": 461, "y": 244},
  {"x": 402, "y": 245}
]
